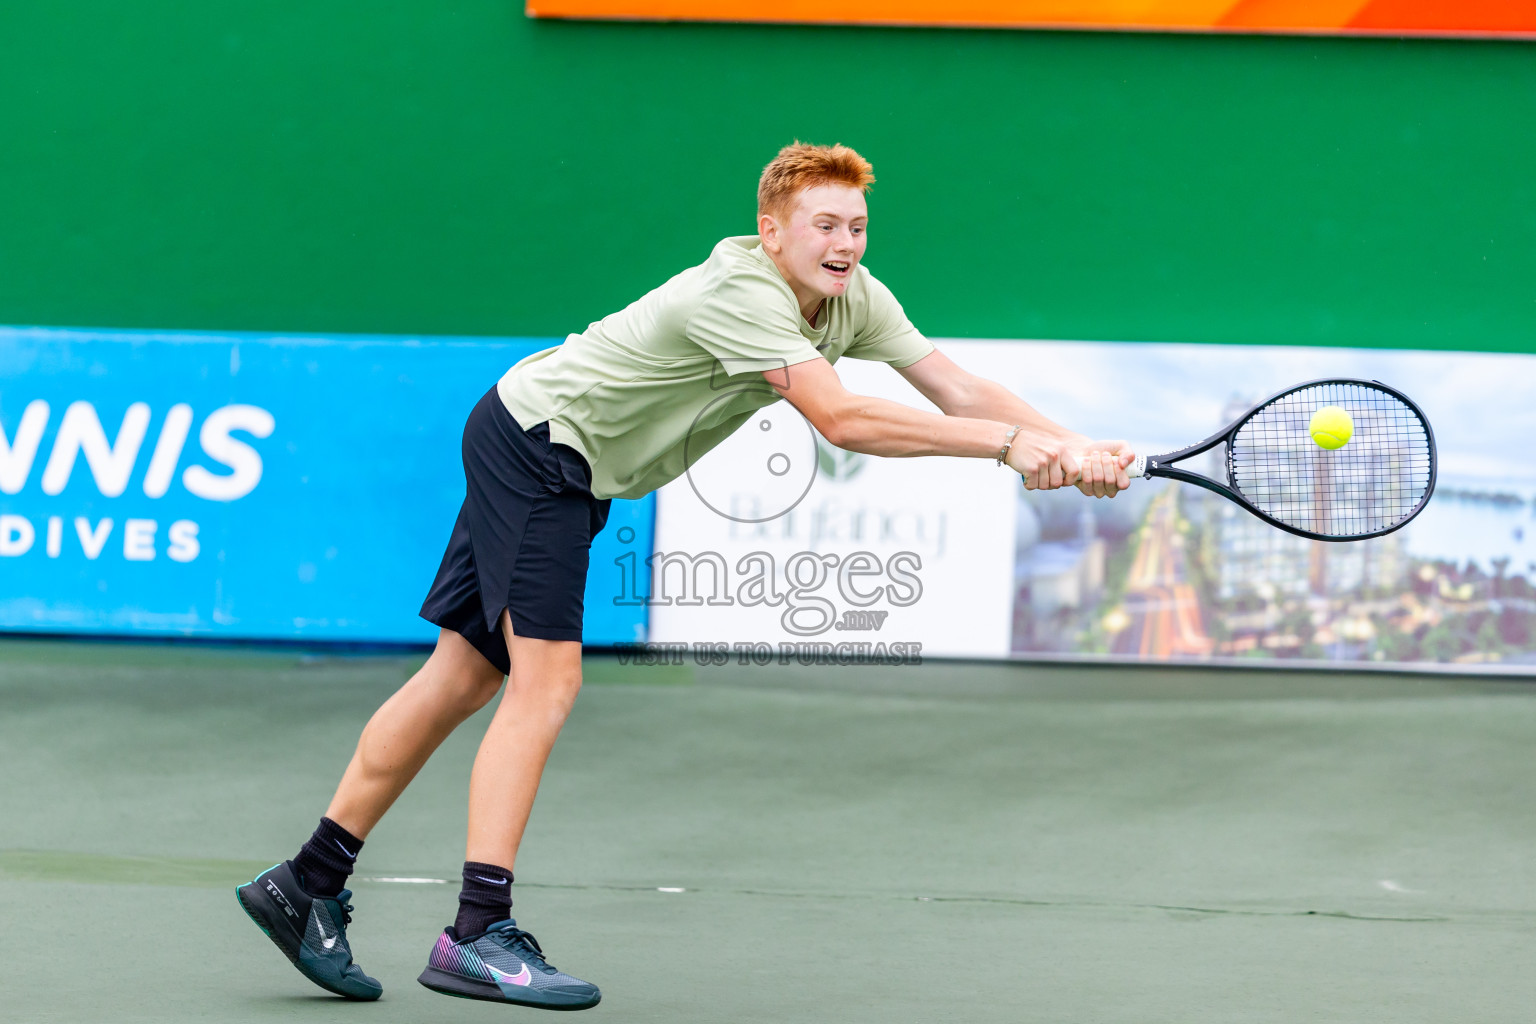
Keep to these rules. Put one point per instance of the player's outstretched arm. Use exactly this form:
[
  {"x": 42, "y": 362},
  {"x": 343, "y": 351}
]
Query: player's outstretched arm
[
  {"x": 876, "y": 426},
  {"x": 961, "y": 393}
]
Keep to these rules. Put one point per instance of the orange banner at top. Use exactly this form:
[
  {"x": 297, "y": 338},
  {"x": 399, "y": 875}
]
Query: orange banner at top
[{"x": 1388, "y": 17}]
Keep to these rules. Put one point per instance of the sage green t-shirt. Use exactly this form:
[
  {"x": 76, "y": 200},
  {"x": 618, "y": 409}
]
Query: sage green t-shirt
[{"x": 682, "y": 365}]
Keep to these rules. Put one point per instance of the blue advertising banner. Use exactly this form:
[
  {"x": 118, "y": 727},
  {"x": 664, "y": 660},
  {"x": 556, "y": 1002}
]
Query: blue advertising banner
[{"x": 249, "y": 486}]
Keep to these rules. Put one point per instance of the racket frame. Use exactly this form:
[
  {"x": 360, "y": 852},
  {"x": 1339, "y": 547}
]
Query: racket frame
[{"x": 1160, "y": 465}]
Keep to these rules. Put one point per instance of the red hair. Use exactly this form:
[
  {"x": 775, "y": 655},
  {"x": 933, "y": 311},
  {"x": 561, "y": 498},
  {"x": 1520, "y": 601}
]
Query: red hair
[{"x": 800, "y": 166}]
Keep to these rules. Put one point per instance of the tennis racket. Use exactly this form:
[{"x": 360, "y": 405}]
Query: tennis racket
[{"x": 1372, "y": 485}]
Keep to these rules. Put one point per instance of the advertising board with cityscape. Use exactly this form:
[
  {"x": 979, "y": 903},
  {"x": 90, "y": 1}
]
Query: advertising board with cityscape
[{"x": 1170, "y": 572}]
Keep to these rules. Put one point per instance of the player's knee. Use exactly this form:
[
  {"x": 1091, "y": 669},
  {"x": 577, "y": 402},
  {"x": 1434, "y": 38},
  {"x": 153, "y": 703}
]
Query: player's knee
[
  {"x": 472, "y": 691},
  {"x": 565, "y": 684},
  {"x": 463, "y": 680},
  {"x": 556, "y": 686}
]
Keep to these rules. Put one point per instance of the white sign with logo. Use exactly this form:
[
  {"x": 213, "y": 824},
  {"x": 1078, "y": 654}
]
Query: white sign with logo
[{"x": 777, "y": 541}]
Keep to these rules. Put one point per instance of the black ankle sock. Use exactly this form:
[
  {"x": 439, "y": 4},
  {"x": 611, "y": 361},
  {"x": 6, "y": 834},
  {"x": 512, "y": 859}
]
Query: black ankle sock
[
  {"x": 485, "y": 899},
  {"x": 326, "y": 860}
]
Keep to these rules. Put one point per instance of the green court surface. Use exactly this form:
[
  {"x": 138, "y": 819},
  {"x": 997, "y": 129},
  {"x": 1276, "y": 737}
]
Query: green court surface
[{"x": 943, "y": 843}]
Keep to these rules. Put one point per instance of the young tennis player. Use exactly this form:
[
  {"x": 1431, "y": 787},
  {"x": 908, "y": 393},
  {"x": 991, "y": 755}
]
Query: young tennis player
[{"x": 604, "y": 416}]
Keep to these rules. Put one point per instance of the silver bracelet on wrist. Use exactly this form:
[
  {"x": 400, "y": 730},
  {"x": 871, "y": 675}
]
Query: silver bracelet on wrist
[{"x": 1002, "y": 456}]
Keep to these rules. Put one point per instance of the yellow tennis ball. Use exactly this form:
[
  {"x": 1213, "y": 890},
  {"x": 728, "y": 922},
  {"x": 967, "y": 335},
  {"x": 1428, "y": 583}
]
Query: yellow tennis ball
[{"x": 1331, "y": 427}]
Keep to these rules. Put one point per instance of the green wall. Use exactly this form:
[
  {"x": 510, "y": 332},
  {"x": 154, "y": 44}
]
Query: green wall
[{"x": 442, "y": 167}]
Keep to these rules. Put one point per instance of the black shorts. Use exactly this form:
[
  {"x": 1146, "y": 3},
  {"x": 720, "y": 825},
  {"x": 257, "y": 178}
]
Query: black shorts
[{"x": 522, "y": 539}]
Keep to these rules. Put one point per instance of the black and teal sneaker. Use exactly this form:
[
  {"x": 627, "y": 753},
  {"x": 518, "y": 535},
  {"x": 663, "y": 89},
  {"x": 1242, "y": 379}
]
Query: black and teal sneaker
[
  {"x": 310, "y": 930},
  {"x": 505, "y": 965}
]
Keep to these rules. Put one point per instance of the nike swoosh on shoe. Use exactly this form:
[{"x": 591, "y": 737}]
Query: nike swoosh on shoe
[
  {"x": 523, "y": 977},
  {"x": 326, "y": 942}
]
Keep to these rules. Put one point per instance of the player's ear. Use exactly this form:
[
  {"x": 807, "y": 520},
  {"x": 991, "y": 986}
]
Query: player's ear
[{"x": 768, "y": 232}]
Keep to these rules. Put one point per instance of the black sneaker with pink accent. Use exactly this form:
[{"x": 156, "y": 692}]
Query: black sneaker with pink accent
[{"x": 504, "y": 965}]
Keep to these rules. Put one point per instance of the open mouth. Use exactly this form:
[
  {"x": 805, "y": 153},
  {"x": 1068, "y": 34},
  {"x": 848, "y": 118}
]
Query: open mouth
[{"x": 836, "y": 266}]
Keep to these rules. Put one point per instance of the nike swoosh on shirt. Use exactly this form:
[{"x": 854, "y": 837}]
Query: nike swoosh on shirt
[{"x": 522, "y": 977}]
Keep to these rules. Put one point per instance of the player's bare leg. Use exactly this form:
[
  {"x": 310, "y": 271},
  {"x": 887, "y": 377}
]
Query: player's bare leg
[
  {"x": 485, "y": 955},
  {"x": 302, "y": 904},
  {"x": 455, "y": 682},
  {"x": 546, "y": 676}
]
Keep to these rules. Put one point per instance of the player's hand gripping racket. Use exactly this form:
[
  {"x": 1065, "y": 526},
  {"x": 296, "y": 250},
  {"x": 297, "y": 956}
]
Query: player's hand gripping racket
[{"x": 1372, "y": 483}]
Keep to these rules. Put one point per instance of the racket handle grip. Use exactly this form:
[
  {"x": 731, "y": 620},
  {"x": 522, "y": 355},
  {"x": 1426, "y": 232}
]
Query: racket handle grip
[{"x": 1137, "y": 468}]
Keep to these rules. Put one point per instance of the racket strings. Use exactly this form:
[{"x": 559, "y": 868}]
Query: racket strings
[{"x": 1377, "y": 480}]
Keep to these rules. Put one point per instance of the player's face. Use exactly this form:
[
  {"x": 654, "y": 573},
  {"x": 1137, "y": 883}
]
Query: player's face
[{"x": 822, "y": 242}]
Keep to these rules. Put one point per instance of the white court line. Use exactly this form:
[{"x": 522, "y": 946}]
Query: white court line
[
  {"x": 1391, "y": 886},
  {"x": 407, "y": 880}
]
